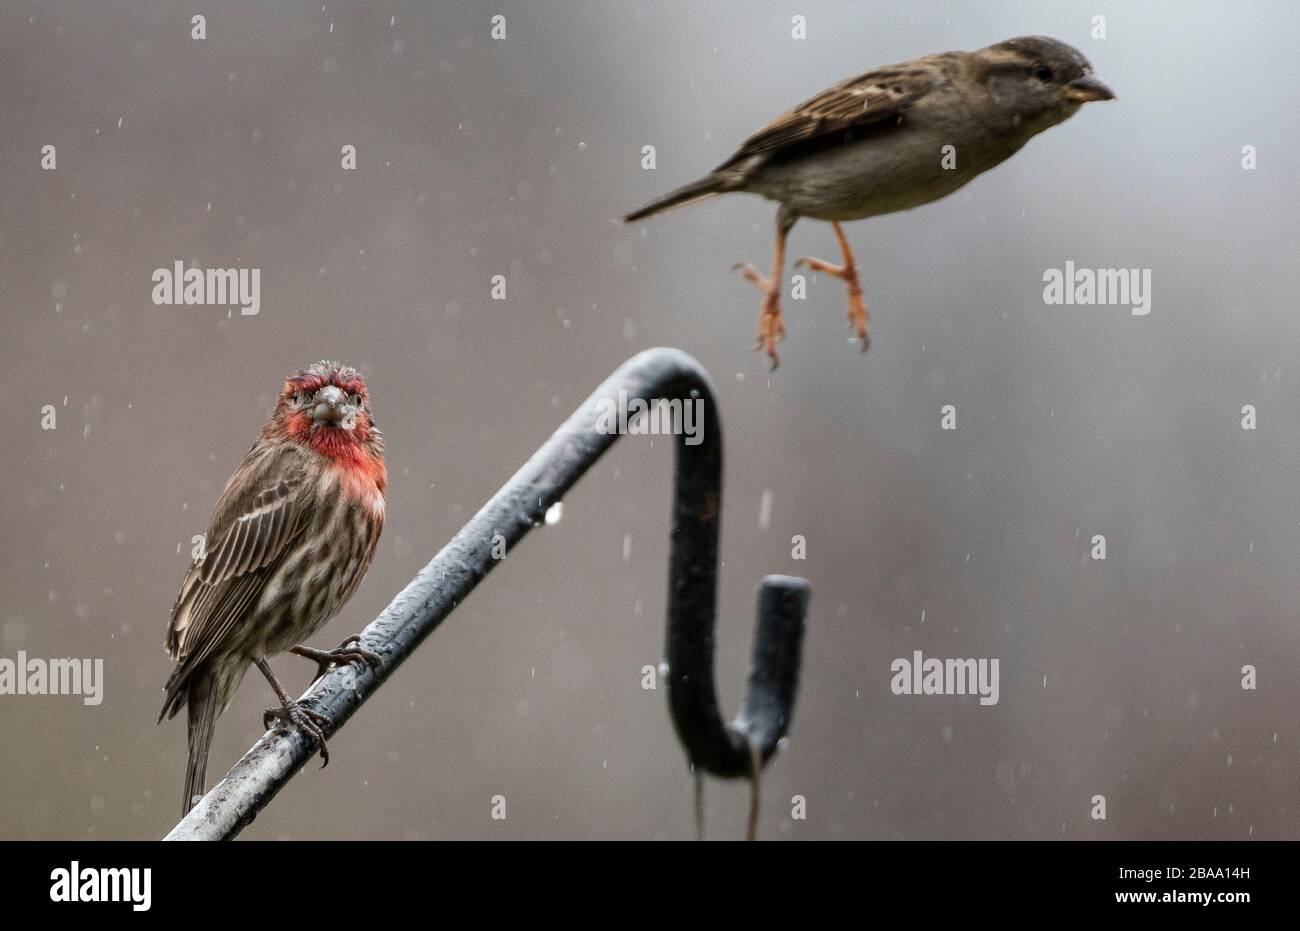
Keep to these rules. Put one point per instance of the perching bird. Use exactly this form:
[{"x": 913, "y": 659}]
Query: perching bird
[
  {"x": 288, "y": 543},
  {"x": 892, "y": 139}
]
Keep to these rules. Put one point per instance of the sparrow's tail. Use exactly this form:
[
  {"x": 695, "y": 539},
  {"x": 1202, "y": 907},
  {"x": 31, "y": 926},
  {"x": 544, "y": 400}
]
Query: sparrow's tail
[
  {"x": 696, "y": 190},
  {"x": 202, "y": 702}
]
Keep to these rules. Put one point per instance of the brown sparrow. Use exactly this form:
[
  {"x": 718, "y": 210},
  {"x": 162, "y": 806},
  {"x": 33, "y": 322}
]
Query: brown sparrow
[{"x": 889, "y": 140}]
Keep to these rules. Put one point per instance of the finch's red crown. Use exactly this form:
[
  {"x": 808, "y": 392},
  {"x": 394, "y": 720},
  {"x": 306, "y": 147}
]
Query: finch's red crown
[
  {"x": 326, "y": 408},
  {"x": 319, "y": 374}
]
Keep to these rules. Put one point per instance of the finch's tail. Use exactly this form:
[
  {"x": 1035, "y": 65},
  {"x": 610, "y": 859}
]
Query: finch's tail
[
  {"x": 696, "y": 190},
  {"x": 202, "y": 702}
]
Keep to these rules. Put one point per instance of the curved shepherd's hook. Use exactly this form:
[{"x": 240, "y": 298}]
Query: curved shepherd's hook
[{"x": 727, "y": 749}]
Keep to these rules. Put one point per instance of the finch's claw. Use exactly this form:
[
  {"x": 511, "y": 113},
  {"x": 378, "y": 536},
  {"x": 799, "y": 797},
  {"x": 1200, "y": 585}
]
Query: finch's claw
[
  {"x": 312, "y": 723},
  {"x": 346, "y": 652}
]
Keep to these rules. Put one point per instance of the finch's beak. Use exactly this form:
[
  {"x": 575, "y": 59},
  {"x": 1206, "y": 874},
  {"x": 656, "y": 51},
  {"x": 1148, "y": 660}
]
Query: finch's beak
[
  {"x": 1088, "y": 88},
  {"x": 331, "y": 406}
]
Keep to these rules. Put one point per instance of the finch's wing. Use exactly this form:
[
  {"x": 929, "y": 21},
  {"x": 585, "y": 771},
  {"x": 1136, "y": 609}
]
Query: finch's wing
[
  {"x": 871, "y": 98},
  {"x": 250, "y": 533}
]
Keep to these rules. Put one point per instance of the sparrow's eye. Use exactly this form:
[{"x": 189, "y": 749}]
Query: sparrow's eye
[{"x": 1043, "y": 73}]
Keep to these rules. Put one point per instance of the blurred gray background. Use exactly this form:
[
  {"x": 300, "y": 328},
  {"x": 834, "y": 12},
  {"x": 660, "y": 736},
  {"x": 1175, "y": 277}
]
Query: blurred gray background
[{"x": 480, "y": 157}]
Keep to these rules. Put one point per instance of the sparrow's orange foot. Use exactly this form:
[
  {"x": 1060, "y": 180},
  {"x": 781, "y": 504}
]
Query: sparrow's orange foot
[
  {"x": 849, "y": 275},
  {"x": 346, "y": 652},
  {"x": 770, "y": 327},
  {"x": 311, "y": 723}
]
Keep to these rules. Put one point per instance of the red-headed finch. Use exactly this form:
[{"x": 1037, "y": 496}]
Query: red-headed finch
[{"x": 288, "y": 543}]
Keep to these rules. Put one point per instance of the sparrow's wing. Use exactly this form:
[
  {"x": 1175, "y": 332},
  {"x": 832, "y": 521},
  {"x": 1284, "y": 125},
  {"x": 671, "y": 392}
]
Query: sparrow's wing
[
  {"x": 250, "y": 534},
  {"x": 860, "y": 101}
]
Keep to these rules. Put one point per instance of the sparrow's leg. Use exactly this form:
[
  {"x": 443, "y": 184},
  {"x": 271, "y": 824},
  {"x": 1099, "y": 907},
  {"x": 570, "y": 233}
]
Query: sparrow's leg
[
  {"x": 290, "y": 712},
  {"x": 770, "y": 327},
  {"x": 346, "y": 652},
  {"x": 848, "y": 272}
]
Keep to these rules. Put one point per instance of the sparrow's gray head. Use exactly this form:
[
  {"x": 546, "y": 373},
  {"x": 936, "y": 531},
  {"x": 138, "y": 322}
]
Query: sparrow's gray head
[{"x": 1042, "y": 80}]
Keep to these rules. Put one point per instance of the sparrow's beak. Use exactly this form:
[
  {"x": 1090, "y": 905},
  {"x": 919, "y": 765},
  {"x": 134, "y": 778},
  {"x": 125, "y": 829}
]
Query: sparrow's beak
[
  {"x": 1088, "y": 88},
  {"x": 331, "y": 406}
]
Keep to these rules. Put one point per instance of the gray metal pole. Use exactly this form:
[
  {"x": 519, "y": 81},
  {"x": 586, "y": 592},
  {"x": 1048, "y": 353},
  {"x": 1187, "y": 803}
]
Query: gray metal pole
[{"x": 713, "y": 745}]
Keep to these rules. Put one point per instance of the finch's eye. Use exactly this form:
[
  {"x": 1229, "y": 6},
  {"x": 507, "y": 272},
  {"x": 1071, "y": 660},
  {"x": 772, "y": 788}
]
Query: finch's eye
[
  {"x": 301, "y": 398},
  {"x": 1043, "y": 73},
  {"x": 356, "y": 400}
]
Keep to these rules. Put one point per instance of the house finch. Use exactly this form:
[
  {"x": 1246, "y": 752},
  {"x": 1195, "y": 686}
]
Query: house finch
[
  {"x": 892, "y": 139},
  {"x": 288, "y": 543}
]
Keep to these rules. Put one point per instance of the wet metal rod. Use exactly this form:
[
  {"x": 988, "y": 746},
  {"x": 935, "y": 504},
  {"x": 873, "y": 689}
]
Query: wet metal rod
[{"x": 712, "y": 745}]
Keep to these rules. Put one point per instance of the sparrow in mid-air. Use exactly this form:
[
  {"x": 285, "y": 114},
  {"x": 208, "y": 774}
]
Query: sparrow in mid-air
[
  {"x": 288, "y": 543},
  {"x": 889, "y": 140}
]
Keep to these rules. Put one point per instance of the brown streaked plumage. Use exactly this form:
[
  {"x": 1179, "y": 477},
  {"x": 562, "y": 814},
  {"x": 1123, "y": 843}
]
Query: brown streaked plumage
[
  {"x": 288, "y": 543},
  {"x": 876, "y": 143}
]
